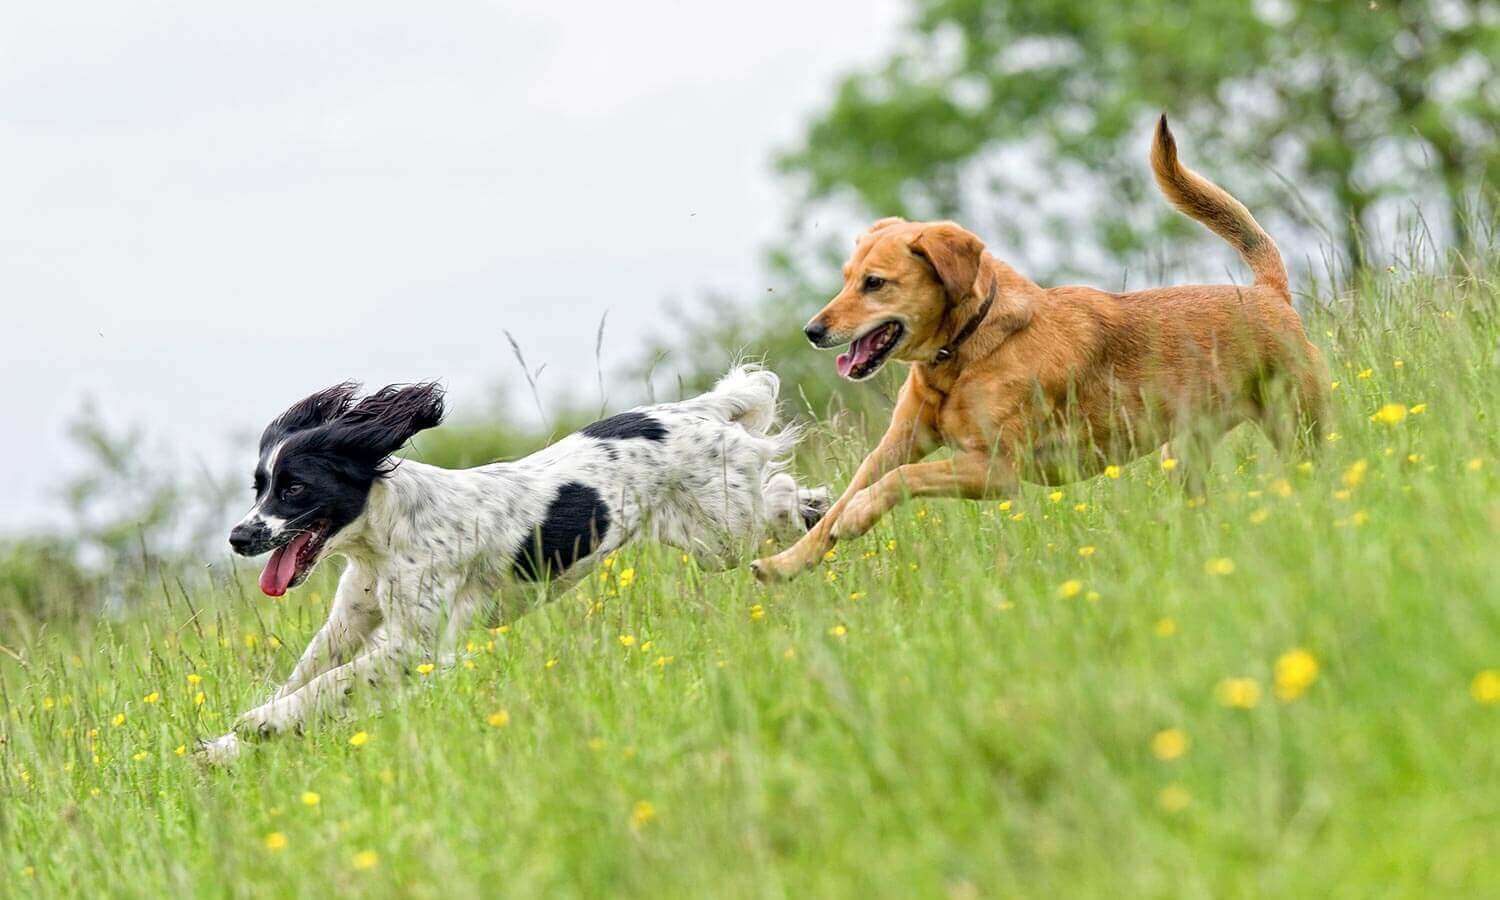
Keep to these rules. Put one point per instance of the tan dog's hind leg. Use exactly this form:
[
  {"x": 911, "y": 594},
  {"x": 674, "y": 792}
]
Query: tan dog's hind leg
[{"x": 972, "y": 476}]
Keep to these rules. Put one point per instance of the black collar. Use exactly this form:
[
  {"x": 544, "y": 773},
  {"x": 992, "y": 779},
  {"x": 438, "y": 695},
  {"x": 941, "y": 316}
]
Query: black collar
[{"x": 946, "y": 351}]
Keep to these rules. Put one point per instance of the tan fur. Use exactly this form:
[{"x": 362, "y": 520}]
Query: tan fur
[{"x": 1058, "y": 383}]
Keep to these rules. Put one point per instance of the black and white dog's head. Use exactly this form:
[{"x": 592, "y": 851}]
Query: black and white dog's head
[{"x": 317, "y": 463}]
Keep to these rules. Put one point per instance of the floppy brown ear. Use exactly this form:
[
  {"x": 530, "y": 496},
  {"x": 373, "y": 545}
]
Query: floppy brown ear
[{"x": 953, "y": 253}]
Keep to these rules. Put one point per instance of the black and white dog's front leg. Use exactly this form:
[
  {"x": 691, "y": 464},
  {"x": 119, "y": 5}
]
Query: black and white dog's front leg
[
  {"x": 354, "y": 615},
  {"x": 383, "y": 662}
]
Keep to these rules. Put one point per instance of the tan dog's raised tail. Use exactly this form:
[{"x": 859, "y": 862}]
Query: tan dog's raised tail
[{"x": 1055, "y": 384}]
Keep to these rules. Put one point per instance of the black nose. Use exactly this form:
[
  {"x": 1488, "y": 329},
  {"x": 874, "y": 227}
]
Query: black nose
[
  {"x": 816, "y": 331},
  {"x": 243, "y": 539}
]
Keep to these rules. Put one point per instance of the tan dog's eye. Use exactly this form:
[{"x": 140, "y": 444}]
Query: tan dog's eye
[{"x": 873, "y": 283}]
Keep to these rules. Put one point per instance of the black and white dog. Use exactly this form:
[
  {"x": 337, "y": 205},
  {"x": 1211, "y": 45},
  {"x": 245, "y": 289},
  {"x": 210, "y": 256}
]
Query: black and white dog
[{"x": 429, "y": 548}]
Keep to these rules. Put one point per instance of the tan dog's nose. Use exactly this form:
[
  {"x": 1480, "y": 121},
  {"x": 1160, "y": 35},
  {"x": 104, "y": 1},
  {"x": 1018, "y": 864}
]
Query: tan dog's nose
[{"x": 816, "y": 332}]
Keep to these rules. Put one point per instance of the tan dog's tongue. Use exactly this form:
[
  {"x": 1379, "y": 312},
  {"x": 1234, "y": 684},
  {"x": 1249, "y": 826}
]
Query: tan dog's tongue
[
  {"x": 281, "y": 568},
  {"x": 859, "y": 352}
]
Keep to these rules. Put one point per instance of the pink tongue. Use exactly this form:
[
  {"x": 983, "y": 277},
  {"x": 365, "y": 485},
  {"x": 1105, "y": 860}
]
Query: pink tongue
[
  {"x": 281, "y": 568},
  {"x": 859, "y": 353}
]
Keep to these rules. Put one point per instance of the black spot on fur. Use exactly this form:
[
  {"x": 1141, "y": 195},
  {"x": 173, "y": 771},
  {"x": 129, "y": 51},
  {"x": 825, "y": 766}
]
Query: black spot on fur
[
  {"x": 576, "y": 522},
  {"x": 627, "y": 425}
]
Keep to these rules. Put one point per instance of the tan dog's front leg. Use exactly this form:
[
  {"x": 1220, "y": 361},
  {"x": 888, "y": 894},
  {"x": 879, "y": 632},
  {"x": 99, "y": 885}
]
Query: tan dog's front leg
[
  {"x": 908, "y": 439},
  {"x": 974, "y": 476}
]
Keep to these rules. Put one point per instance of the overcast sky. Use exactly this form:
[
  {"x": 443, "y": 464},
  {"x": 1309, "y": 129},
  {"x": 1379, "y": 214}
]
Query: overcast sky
[{"x": 210, "y": 210}]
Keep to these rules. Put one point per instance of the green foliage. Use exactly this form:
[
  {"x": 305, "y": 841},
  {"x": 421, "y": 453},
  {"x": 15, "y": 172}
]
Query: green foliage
[
  {"x": 1097, "y": 693},
  {"x": 41, "y": 581},
  {"x": 1350, "y": 102}
]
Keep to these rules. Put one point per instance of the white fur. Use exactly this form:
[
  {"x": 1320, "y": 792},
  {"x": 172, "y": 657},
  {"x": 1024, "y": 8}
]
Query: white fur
[{"x": 434, "y": 547}]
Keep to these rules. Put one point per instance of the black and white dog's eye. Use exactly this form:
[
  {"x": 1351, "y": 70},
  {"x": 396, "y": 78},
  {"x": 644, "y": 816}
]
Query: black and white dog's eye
[
  {"x": 291, "y": 491},
  {"x": 874, "y": 282}
]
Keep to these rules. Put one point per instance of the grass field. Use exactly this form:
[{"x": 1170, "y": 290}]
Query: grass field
[{"x": 1286, "y": 687}]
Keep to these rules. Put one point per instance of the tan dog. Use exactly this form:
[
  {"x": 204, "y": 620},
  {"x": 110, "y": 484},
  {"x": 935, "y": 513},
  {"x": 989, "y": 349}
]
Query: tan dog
[{"x": 1054, "y": 384}]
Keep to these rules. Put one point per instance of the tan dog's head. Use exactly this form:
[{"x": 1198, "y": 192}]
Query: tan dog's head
[{"x": 899, "y": 286}]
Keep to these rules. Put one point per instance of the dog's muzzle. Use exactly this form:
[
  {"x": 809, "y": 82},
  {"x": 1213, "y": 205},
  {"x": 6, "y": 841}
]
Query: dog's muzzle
[
  {"x": 250, "y": 538},
  {"x": 817, "y": 334}
]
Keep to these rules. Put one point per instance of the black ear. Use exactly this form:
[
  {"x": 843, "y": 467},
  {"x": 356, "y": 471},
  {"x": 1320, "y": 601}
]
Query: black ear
[
  {"x": 319, "y": 409},
  {"x": 383, "y": 422}
]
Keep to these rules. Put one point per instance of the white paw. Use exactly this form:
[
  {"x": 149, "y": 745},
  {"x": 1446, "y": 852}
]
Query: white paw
[
  {"x": 219, "y": 751},
  {"x": 264, "y": 721}
]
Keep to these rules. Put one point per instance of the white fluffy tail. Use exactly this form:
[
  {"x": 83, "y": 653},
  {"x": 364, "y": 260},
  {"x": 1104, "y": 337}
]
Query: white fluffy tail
[{"x": 746, "y": 395}]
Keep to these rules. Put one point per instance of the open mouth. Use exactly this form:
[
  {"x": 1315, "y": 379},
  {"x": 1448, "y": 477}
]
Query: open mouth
[
  {"x": 290, "y": 563},
  {"x": 868, "y": 352}
]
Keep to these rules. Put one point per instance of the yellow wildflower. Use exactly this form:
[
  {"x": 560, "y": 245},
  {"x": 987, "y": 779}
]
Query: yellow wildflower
[
  {"x": 1173, "y": 798},
  {"x": 626, "y": 578},
  {"x": 757, "y": 612},
  {"x": 1080, "y": 507},
  {"x": 1366, "y": 373},
  {"x": 1475, "y": 464},
  {"x": 194, "y": 678},
  {"x": 198, "y": 698},
  {"x": 1168, "y": 464},
  {"x": 1111, "y": 471},
  {"x": 856, "y": 596},
  {"x": 553, "y": 661},
  {"x": 1239, "y": 693},
  {"x": 1417, "y": 409},
  {"x": 1305, "y": 467},
  {"x": 181, "y": 750},
  {"x": 838, "y": 631},
  {"x": 1485, "y": 687},
  {"x": 1085, "y": 551},
  {"x": 627, "y": 640},
  {"x": 275, "y": 841},
  {"x": 1005, "y": 505},
  {"x": 1355, "y": 473},
  {"x": 48, "y": 703},
  {"x": 1260, "y": 516},
  {"x": 425, "y": 669},
  {"x": 1219, "y": 565},
  {"x": 1169, "y": 744},
  {"x": 1055, "y": 496},
  {"x": 359, "y": 739},
  {"x": 118, "y": 720},
  {"x": 1295, "y": 670},
  {"x": 139, "y": 756},
  {"x": 1281, "y": 487},
  {"x": 642, "y": 813},
  {"x": 1390, "y": 414},
  {"x": 1070, "y": 588},
  {"x": 365, "y": 860},
  {"x": 311, "y": 798},
  {"x": 1166, "y": 626},
  {"x": 500, "y": 718}
]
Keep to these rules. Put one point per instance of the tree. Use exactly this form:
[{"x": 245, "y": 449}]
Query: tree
[{"x": 993, "y": 108}]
